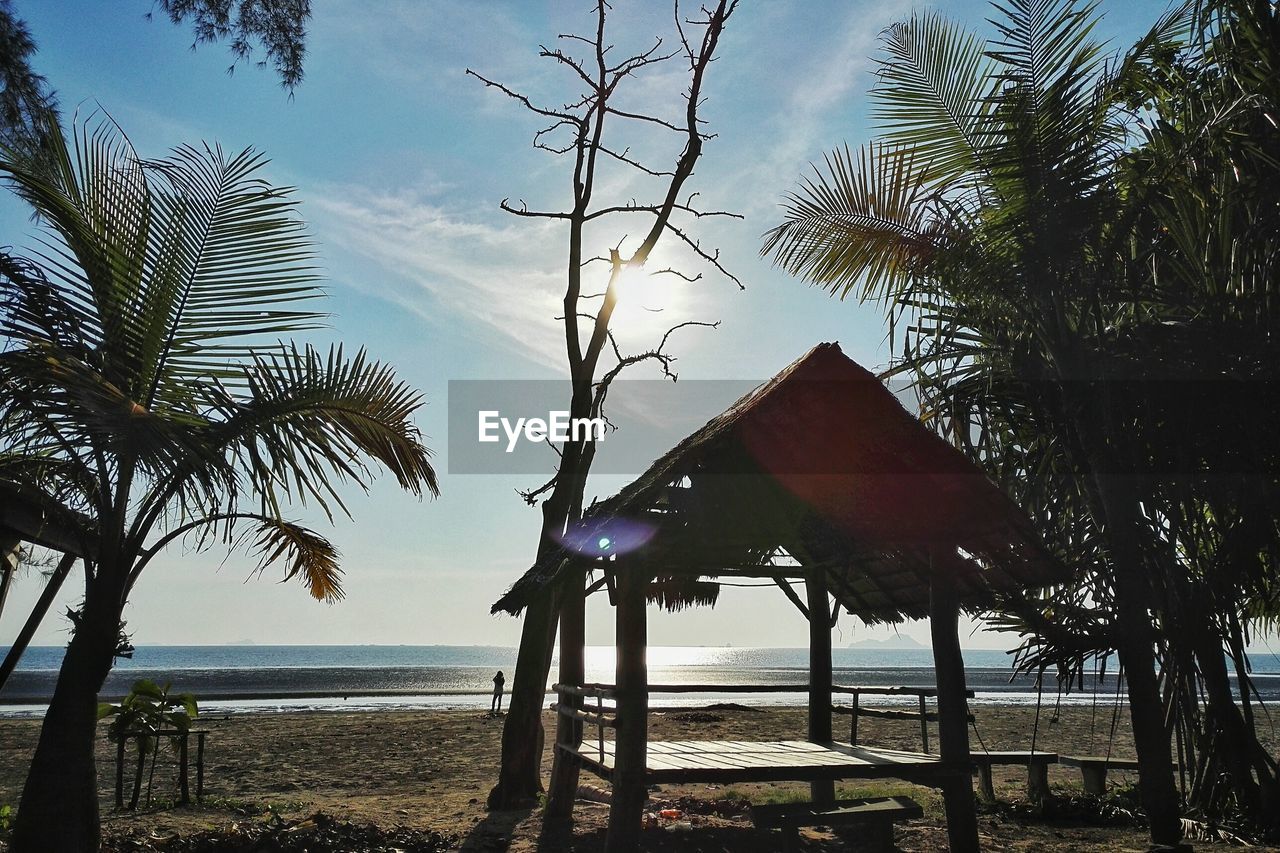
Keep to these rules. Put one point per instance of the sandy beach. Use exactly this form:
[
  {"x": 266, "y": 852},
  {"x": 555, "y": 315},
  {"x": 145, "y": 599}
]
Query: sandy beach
[{"x": 431, "y": 770}]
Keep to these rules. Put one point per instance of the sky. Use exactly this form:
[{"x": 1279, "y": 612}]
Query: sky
[{"x": 400, "y": 161}]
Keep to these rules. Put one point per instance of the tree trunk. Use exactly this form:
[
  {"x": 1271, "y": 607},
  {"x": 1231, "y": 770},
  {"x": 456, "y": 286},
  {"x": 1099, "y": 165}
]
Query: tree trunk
[
  {"x": 564, "y": 769},
  {"x": 1158, "y": 790},
  {"x": 59, "y": 806},
  {"x": 1115, "y": 499},
  {"x": 953, "y": 711},
  {"x": 520, "y": 776},
  {"x": 1237, "y": 740}
]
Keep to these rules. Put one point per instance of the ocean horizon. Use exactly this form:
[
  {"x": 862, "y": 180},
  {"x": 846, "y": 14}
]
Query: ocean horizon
[{"x": 238, "y": 678}]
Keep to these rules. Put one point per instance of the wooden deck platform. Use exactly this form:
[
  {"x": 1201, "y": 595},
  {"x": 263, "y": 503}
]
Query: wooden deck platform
[{"x": 770, "y": 761}]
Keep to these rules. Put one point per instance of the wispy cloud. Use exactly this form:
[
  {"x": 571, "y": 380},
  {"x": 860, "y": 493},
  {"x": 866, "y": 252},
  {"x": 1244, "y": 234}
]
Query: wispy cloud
[
  {"x": 446, "y": 265},
  {"x": 805, "y": 108}
]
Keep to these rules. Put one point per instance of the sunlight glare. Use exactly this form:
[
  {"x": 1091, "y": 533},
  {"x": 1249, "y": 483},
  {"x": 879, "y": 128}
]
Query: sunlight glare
[{"x": 645, "y": 300}]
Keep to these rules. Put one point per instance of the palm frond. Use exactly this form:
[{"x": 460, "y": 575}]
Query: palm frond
[
  {"x": 306, "y": 423},
  {"x": 175, "y": 269},
  {"x": 310, "y": 557},
  {"x": 95, "y": 201},
  {"x": 1045, "y": 42},
  {"x": 934, "y": 93},
  {"x": 229, "y": 269},
  {"x": 865, "y": 222}
]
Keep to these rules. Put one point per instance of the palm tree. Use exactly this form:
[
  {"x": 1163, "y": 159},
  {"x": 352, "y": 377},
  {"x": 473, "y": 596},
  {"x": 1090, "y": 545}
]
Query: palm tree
[
  {"x": 146, "y": 392},
  {"x": 991, "y": 213}
]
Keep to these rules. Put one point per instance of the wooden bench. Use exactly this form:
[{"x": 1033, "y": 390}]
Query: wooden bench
[
  {"x": 1037, "y": 764},
  {"x": 877, "y": 815},
  {"x": 1093, "y": 769}
]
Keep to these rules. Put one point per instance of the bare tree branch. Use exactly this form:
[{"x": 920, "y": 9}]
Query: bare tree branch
[
  {"x": 531, "y": 495},
  {"x": 623, "y": 158},
  {"x": 529, "y": 105},
  {"x": 678, "y": 274},
  {"x": 657, "y": 354},
  {"x": 523, "y": 210},
  {"x": 712, "y": 258},
  {"x": 656, "y": 210}
]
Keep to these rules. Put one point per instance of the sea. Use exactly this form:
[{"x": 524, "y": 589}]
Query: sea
[{"x": 251, "y": 678}]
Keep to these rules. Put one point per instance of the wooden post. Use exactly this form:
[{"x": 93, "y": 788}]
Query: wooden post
[
  {"x": 199, "y": 766},
  {"x": 564, "y": 767},
  {"x": 853, "y": 720},
  {"x": 953, "y": 713},
  {"x": 924, "y": 724},
  {"x": 631, "y": 749},
  {"x": 822, "y": 792},
  {"x": 1094, "y": 779},
  {"x": 137, "y": 774},
  {"x": 120, "y": 774},
  {"x": 184, "y": 789}
]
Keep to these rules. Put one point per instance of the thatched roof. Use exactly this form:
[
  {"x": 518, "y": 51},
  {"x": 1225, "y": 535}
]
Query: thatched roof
[
  {"x": 28, "y": 515},
  {"x": 824, "y": 467}
]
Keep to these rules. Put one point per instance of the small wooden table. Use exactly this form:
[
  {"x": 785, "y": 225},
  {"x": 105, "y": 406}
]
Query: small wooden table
[
  {"x": 183, "y": 738},
  {"x": 1037, "y": 764},
  {"x": 1093, "y": 769}
]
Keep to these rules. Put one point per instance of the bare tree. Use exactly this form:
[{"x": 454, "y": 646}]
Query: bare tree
[{"x": 600, "y": 72}]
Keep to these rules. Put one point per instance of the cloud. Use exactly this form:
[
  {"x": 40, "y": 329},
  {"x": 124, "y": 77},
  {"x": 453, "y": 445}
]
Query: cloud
[
  {"x": 443, "y": 263},
  {"x": 803, "y": 108}
]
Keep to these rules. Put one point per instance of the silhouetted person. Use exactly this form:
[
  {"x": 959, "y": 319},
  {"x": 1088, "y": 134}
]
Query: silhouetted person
[{"x": 499, "y": 681}]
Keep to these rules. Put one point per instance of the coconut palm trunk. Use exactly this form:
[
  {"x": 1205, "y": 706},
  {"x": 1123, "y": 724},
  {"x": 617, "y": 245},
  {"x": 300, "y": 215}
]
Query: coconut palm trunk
[{"x": 59, "y": 806}]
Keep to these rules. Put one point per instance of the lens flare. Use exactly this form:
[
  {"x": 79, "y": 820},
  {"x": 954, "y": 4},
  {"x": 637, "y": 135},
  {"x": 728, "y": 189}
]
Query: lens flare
[{"x": 607, "y": 537}]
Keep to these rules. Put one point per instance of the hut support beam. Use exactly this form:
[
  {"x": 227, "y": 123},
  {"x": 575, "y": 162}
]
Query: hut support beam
[
  {"x": 631, "y": 747},
  {"x": 564, "y": 768},
  {"x": 792, "y": 595},
  {"x": 953, "y": 735},
  {"x": 20, "y": 643},
  {"x": 823, "y": 791}
]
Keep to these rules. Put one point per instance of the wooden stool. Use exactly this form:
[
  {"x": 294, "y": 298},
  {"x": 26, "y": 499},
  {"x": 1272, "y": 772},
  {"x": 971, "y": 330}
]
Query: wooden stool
[
  {"x": 1037, "y": 764},
  {"x": 1093, "y": 770}
]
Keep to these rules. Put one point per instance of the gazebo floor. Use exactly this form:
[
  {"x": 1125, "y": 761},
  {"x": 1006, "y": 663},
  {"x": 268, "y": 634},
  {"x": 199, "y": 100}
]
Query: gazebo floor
[{"x": 770, "y": 761}]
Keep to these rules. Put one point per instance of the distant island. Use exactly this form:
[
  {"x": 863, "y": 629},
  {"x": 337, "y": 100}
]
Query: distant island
[{"x": 898, "y": 643}]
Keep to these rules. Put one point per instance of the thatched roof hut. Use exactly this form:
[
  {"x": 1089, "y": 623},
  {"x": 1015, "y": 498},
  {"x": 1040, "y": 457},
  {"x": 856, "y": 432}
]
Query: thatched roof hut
[
  {"x": 820, "y": 466},
  {"x": 820, "y": 474}
]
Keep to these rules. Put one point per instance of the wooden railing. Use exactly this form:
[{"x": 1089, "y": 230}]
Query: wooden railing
[
  {"x": 923, "y": 714},
  {"x": 567, "y": 707},
  {"x": 602, "y": 716}
]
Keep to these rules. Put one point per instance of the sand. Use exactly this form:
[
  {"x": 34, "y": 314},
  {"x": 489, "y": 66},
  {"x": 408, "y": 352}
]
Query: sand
[{"x": 433, "y": 770}]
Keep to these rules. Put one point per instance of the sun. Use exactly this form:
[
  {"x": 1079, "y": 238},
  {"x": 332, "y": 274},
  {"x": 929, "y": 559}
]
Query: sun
[{"x": 647, "y": 301}]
